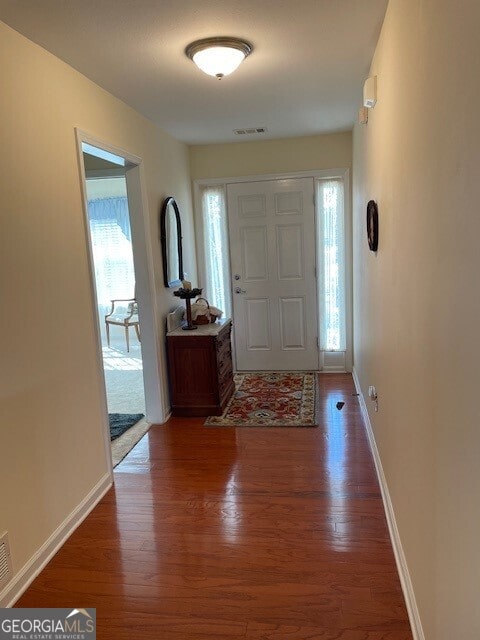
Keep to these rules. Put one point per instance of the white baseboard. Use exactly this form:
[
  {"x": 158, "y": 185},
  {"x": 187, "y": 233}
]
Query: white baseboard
[
  {"x": 400, "y": 559},
  {"x": 14, "y": 589}
]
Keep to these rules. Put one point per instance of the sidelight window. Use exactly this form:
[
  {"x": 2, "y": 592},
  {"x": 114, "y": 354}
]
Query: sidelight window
[
  {"x": 331, "y": 263},
  {"x": 215, "y": 246}
]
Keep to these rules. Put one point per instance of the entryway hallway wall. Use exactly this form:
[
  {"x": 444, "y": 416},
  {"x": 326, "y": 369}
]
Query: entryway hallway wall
[
  {"x": 51, "y": 393},
  {"x": 416, "y": 302}
]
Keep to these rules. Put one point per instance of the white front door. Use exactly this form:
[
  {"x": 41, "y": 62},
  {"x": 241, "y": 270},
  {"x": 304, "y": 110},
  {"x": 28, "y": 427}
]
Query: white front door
[{"x": 272, "y": 250}]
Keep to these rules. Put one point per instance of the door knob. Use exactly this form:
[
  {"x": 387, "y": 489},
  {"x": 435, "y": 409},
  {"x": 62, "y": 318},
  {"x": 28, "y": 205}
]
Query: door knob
[
  {"x": 237, "y": 276},
  {"x": 239, "y": 290}
]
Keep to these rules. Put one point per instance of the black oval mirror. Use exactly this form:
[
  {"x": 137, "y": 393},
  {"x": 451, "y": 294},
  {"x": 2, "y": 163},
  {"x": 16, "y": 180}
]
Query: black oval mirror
[{"x": 171, "y": 239}]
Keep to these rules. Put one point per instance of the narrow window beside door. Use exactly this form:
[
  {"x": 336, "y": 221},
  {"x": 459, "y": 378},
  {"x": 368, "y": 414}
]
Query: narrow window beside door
[
  {"x": 331, "y": 264},
  {"x": 215, "y": 239}
]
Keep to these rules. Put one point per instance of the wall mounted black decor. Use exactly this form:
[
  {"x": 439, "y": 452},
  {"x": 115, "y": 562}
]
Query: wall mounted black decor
[
  {"x": 372, "y": 225},
  {"x": 171, "y": 238}
]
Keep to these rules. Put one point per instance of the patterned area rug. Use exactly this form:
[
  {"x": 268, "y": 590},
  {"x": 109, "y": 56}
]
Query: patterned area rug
[{"x": 271, "y": 399}]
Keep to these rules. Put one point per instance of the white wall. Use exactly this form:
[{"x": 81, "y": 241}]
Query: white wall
[
  {"x": 416, "y": 302},
  {"x": 51, "y": 432}
]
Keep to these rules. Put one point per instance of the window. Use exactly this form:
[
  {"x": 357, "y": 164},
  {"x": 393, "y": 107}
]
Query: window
[
  {"x": 331, "y": 263},
  {"x": 215, "y": 244},
  {"x": 111, "y": 240}
]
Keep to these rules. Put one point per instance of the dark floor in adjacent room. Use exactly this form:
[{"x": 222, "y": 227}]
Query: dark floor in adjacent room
[{"x": 219, "y": 533}]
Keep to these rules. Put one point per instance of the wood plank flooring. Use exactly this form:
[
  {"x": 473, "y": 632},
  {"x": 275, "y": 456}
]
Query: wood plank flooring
[{"x": 257, "y": 533}]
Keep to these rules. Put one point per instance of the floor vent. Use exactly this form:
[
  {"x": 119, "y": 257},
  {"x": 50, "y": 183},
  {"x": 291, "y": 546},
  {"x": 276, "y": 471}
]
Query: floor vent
[
  {"x": 6, "y": 570},
  {"x": 254, "y": 130}
]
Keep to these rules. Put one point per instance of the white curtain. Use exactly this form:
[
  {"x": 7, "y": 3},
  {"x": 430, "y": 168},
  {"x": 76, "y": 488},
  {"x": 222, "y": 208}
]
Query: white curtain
[
  {"x": 215, "y": 244},
  {"x": 331, "y": 243}
]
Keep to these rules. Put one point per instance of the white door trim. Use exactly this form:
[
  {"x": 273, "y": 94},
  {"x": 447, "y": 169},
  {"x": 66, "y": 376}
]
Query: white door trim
[
  {"x": 142, "y": 252},
  {"x": 319, "y": 174}
]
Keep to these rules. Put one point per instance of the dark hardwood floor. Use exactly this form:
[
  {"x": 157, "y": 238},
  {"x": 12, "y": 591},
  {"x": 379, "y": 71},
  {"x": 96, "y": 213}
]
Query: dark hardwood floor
[{"x": 219, "y": 533}]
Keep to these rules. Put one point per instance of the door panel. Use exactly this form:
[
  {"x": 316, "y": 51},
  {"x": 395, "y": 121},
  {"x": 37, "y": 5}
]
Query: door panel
[
  {"x": 258, "y": 334},
  {"x": 290, "y": 258},
  {"x": 252, "y": 206},
  {"x": 290, "y": 203},
  {"x": 253, "y": 241},
  {"x": 292, "y": 323},
  {"x": 272, "y": 249}
]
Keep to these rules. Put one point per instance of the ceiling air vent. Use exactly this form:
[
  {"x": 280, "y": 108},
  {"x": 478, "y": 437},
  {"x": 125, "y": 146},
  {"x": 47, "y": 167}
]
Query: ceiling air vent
[
  {"x": 6, "y": 570},
  {"x": 251, "y": 131}
]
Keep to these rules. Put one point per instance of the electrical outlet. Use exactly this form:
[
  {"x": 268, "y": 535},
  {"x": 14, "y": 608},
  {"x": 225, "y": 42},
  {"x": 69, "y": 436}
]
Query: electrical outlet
[{"x": 372, "y": 394}]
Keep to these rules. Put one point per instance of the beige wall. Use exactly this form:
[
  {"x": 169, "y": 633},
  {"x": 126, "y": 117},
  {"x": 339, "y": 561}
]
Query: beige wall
[
  {"x": 51, "y": 432},
  {"x": 271, "y": 156},
  {"x": 416, "y": 302}
]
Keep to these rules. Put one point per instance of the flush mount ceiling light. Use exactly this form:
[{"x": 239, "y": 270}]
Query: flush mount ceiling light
[{"x": 218, "y": 56}]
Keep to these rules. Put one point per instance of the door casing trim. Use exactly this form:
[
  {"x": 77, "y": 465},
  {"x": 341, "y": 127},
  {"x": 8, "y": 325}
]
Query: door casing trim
[
  {"x": 156, "y": 403},
  {"x": 316, "y": 174}
]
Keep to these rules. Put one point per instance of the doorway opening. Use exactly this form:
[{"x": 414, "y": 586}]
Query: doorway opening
[
  {"x": 121, "y": 270},
  {"x": 116, "y": 304}
]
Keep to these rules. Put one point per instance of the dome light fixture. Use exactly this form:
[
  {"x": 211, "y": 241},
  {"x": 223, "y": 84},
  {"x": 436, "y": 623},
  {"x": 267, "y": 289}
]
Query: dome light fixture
[{"x": 218, "y": 56}]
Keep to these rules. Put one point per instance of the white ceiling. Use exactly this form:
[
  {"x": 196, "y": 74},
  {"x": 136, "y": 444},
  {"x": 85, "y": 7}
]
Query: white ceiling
[{"x": 304, "y": 77}]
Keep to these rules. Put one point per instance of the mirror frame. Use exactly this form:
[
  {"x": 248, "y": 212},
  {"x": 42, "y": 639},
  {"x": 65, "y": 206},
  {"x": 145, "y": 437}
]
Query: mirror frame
[{"x": 170, "y": 200}]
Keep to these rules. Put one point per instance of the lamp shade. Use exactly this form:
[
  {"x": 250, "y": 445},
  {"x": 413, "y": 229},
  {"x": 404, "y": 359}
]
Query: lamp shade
[{"x": 218, "y": 56}]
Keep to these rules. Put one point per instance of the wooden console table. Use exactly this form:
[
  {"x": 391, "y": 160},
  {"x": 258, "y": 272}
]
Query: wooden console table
[{"x": 200, "y": 369}]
